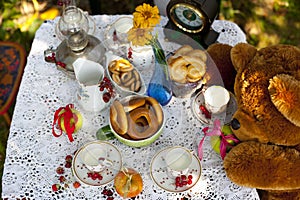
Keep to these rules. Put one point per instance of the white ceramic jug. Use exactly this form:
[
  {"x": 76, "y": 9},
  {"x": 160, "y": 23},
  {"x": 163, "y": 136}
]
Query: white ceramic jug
[{"x": 88, "y": 74}]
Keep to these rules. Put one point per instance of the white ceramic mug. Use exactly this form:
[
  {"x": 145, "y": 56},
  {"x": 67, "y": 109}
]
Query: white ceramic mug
[
  {"x": 216, "y": 99},
  {"x": 178, "y": 160}
]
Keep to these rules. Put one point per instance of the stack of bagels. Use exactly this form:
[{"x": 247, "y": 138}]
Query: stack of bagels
[
  {"x": 187, "y": 64},
  {"x": 137, "y": 118},
  {"x": 125, "y": 75}
]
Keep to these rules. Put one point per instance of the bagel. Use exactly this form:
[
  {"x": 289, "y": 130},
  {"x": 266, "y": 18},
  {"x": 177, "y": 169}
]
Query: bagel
[
  {"x": 135, "y": 131},
  {"x": 134, "y": 103},
  {"x": 157, "y": 109},
  {"x": 118, "y": 118}
]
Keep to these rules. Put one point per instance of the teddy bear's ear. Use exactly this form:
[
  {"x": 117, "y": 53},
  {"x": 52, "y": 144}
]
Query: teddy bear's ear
[
  {"x": 241, "y": 54},
  {"x": 284, "y": 91}
]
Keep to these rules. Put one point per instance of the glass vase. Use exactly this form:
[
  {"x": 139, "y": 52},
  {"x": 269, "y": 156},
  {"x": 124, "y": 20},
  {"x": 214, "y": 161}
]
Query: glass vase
[{"x": 160, "y": 84}]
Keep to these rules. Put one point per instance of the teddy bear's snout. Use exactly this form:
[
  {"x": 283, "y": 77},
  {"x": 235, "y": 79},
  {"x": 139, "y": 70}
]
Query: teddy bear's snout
[{"x": 235, "y": 124}]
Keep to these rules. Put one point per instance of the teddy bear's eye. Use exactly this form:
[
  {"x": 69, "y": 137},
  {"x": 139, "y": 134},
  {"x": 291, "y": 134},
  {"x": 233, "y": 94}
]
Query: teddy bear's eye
[{"x": 235, "y": 124}]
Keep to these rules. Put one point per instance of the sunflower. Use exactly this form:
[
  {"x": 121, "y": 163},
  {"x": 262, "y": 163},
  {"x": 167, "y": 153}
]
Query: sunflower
[
  {"x": 139, "y": 36},
  {"x": 146, "y": 16}
]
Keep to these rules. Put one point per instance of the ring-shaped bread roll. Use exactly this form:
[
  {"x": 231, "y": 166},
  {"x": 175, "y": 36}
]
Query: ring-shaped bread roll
[
  {"x": 118, "y": 118},
  {"x": 116, "y": 78},
  {"x": 135, "y": 131},
  {"x": 134, "y": 103},
  {"x": 126, "y": 76},
  {"x": 157, "y": 109},
  {"x": 129, "y": 82},
  {"x": 197, "y": 53},
  {"x": 196, "y": 62}
]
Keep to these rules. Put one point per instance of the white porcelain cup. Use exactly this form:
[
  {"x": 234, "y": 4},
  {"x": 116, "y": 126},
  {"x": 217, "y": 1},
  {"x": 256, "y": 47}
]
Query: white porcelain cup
[
  {"x": 178, "y": 160},
  {"x": 216, "y": 99},
  {"x": 122, "y": 26}
]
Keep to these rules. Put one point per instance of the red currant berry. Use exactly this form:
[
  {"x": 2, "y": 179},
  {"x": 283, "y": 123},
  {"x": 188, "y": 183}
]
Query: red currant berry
[
  {"x": 189, "y": 182},
  {"x": 55, "y": 187},
  {"x": 62, "y": 179},
  {"x": 183, "y": 177},
  {"x": 190, "y": 177},
  {"x": 106, "y": 97},
  {"x": 60, "y": 170},
  {"x": 68, "y": 165}
]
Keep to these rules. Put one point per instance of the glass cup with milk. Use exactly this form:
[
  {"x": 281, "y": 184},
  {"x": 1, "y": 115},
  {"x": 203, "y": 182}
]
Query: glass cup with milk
[
  {"x": 178, "y": 160},
  {"x": 122, "y": 26}
]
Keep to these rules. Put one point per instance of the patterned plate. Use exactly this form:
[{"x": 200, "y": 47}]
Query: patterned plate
[
  {"x": 81, "y": 172},
  {"x": 225, "y": 116},
  {"x": 163, "y": 179}
]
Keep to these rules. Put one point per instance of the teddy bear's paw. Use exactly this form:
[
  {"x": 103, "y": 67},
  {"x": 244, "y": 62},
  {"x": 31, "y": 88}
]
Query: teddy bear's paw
[
  {"x": 284, "y": 91},
  {"x": 262, "y": 166}
]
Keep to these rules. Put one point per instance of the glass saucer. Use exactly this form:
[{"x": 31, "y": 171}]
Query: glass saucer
[
  {"x": 161, "y": 177},
  {"x": 224, "y": 116},
  {"x": 80, "y": 171}
]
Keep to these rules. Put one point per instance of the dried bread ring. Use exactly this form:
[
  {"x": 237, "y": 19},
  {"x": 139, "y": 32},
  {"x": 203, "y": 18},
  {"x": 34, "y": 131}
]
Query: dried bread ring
[
  {"x": 157, "y": 109},
  {"x": 134, "y": 103},
  {"x": 197, "y": 53},
  {"x": 129, "y": 82},
  {"x": 118, "y": 118},
  {"x": 126, "y": 76},
  {"x": 196, "y": 62},
  {"x": 116, "y": 78},
  {"x": 135, "y": 131},
  {"x": 178, "y": 70},
  {"x": 183, "y": 50}
]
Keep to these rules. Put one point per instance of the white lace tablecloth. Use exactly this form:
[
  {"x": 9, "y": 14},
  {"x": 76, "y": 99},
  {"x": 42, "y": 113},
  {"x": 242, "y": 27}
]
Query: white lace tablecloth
[{"x": 33, "y": 153}]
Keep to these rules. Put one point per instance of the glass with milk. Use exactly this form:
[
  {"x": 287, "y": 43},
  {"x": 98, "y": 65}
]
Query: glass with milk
[{"x": 178, "y": 159}]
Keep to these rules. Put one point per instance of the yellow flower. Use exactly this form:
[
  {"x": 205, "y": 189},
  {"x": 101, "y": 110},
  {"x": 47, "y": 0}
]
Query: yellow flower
[
  {"x": 146, "y": 16},
  {"x": 139, "y": 36}
]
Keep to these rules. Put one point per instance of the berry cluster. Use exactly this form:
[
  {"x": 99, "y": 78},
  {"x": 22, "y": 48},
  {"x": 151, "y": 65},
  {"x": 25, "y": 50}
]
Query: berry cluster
[
  {"x": 205, "y": 112},
  {"x": 52, "y": 58},
  {"x": 95, "y": 175},
  {"x": 108, "y": 194},
  {"x": 62, "y": 179},
  {"x": 130, "y": 53},
  {"x": 106, "y": 84},
  {"x": 183, "y": 180}
]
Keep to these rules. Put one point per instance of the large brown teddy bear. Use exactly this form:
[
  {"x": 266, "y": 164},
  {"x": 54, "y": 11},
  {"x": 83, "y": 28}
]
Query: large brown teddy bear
[{"x": 267, "y": 121}]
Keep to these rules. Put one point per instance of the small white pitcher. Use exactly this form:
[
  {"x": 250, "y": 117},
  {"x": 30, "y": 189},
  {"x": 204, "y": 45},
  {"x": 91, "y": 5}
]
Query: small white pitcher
[{"x": 89, "y": 73}]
